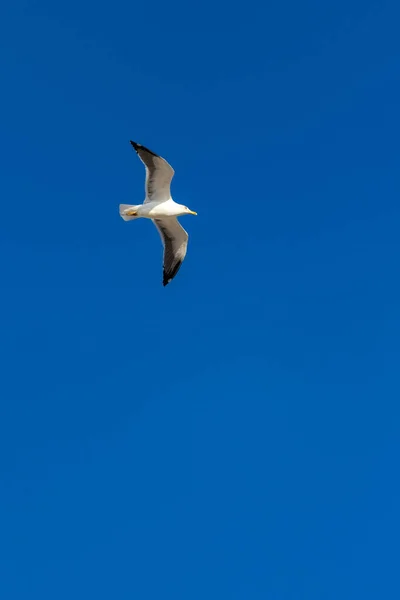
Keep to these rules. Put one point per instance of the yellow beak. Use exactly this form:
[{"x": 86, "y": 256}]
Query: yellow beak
[{"x": 191, "y": 212}]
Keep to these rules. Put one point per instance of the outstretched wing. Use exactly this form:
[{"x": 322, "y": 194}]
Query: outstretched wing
[
  {"x": 158, "y": 174},
  {"x": 175, "y": 240}
]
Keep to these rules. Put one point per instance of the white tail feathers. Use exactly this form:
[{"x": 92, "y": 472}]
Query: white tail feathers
[{"x": 126, "y": 209}]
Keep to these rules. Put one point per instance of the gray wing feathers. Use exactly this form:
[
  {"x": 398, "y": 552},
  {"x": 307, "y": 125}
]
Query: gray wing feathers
[
  {"x": 158, "y": 174},
  {"x": 175, "y": 240}
]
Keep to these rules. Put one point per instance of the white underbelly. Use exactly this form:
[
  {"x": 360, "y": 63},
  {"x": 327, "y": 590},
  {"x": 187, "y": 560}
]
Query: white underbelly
[{"x": 155, "y": 210}]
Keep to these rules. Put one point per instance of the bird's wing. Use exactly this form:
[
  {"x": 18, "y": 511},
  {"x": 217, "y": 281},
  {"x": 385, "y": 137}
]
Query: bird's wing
[
  {"x": 175, "y": 240},
  {"x": 158, "y": 174}
]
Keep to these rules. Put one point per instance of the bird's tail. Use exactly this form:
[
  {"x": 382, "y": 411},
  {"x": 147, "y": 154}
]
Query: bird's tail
[{"x": 128, "y": 211}]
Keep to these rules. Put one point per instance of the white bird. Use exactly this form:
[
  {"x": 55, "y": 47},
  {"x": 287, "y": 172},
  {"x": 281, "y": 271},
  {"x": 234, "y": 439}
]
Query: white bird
[{"x": 161, "y": 209}]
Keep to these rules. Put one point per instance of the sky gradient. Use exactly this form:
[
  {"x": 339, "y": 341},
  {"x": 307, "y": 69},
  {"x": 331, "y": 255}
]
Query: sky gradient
[{"x": 236, "y": 434}]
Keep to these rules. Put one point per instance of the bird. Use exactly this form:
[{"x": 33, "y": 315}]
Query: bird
[{"x": 161, "y": 209}]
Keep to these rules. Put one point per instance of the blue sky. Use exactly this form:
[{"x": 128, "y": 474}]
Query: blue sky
[{"x": 236, "y": 434}]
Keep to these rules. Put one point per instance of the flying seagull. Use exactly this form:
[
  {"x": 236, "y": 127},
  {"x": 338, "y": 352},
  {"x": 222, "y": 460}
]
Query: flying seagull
[{"x": 161, "y": 209}]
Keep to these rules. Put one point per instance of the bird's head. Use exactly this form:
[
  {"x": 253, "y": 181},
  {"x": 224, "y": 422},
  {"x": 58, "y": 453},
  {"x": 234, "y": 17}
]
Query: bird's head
[{"x": 187, "y": 211}]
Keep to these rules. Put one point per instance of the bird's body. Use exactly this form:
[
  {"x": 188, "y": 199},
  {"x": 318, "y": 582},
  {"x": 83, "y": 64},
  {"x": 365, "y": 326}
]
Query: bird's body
[
  {"x": 158, "y": 210},
  {"x": 161, "y": 209}
]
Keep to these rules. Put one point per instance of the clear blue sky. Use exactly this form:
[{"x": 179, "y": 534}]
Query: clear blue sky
[{"x": 236, "y": 434}]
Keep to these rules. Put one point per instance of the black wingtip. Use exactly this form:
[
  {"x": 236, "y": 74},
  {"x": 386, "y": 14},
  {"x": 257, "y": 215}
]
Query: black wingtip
[
  {"x": 141, "y": 147},
  {"x": 135, "y": 145},
  {"x": 168, "y": 276}
]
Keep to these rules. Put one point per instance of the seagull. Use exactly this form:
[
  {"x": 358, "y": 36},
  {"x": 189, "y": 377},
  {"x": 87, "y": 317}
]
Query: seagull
[{"x": 161, "y": 209}]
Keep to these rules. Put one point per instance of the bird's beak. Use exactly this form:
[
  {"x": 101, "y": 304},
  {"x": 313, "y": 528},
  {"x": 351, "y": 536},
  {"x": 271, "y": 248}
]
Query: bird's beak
[{"x": 191, "y": 212}]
